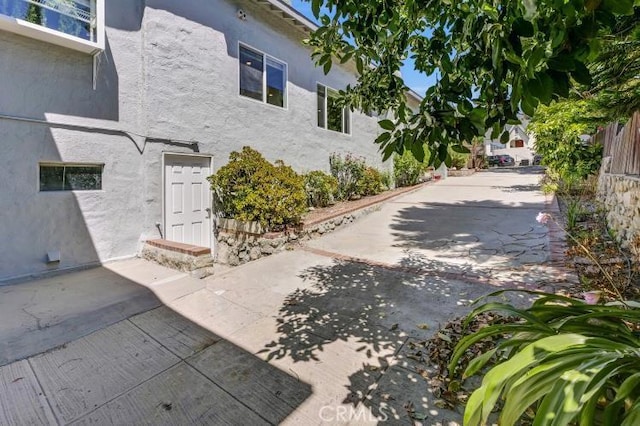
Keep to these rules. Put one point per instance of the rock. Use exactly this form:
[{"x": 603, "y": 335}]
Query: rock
[
  {"x": 233, "y": 260},
  {"x": 254, "y": 253}
]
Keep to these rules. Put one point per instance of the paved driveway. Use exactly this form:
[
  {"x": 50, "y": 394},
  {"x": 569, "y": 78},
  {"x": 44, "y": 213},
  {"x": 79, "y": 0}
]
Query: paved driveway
[{"x": 325, "y": 333}]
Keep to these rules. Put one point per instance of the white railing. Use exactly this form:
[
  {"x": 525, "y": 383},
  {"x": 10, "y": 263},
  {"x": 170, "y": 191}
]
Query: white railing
[
  {"x": 86, "y": 35},
  {"x": 69, "y": 8}
]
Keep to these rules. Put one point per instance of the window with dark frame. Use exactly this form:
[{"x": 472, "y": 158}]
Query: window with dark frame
[
  {"x": 331, "y": 115},
  {"x": 262, "y": 77},
  {"x": 70, "y": 177}
]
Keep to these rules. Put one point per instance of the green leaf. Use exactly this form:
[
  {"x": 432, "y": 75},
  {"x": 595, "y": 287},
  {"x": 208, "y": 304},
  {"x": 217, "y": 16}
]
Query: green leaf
[
  {"x": 478, "y": 362},
  {"x": 562, "y": 62},
  {"x": 315, "y": 7},
  {"x": 327, "y": 67},
  {"x": 384, "y": 137},
  {"x": 619, "y": 7},
  {"x": 581, "y": 74},
  {"x": 546, "y": 88},
  {"x": 460, "y": 149},
  {"x": 523, "y": 28},
  {"x": 417, "y": 149},
  {"x": 387, "y": 124},
  {"x": 483, "y": 400},
  {"x": 504, "y": 137}
]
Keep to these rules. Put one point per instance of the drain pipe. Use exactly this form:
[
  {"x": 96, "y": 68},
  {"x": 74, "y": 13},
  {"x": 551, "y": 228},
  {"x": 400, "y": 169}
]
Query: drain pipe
[{"x": 140, "y": 141}]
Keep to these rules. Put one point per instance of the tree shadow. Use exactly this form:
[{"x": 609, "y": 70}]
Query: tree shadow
[
  {"x": 375, "y": 310},
  {"x": 473, "y": 235}
]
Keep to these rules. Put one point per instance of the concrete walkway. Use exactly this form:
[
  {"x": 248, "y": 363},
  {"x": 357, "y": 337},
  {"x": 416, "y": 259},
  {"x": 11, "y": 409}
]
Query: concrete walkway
[{"x": 325, "y": 333}]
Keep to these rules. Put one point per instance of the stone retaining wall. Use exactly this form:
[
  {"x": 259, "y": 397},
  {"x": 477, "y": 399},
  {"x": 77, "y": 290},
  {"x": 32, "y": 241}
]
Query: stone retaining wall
[
  {"x": 620, "y": 195},
  {"x": 236, "y": 247}
]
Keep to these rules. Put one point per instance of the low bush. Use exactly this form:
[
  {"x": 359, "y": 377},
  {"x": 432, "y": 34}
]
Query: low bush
[
  {"x": 321, "y": 188},
  {"x": 371, "y": 182},
  {"x": 458, "y": 160},
  {"x": 348, "y": 171},
  {"x": 250, "y": 188},
  {"x": 407, "y": 170}
]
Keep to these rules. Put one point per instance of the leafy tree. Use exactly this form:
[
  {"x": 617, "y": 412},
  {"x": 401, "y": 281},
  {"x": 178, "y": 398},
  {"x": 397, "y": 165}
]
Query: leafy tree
[
  {"x": 34, "y": 14},
  {"x": 557, "y": 129},
  {"x": 493, "y": 59},
  {"x": 616, "y": 71}
]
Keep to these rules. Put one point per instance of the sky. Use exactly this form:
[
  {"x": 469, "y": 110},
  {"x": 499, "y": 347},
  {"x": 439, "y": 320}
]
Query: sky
[{"x": 415, "y": 80}]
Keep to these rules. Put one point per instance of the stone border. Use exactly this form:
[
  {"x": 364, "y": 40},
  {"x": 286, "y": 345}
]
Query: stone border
[
  {"x": 237, "y": 247},
  {"x": 460, "y": 173}
]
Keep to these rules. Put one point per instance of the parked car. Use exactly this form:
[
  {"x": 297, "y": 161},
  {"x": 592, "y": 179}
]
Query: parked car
[
  {"x": 537, "y": 160},
  {"x": 500, "y": 160}
]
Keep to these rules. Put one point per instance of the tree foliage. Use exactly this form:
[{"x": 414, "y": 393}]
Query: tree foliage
[
  {"x": 558, "y": 129},
  {"x": 492, "y": 58},
  {"x": 616, "y": 70}
]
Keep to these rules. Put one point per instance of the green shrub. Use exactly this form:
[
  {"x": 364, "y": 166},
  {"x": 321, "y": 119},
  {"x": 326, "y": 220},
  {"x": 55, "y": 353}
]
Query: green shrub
[
  {"x": 371, "y": 182},
  {"x": 458, "y": 160},
  {"x": 348, "y": 171},
  {"x": 563, "y": 362},
  {"x": 387, "y": 180},
  {"x": 249, "y": 188},
  {"x": 407, "y": 170},
  {"x": 321, "y": 188}
]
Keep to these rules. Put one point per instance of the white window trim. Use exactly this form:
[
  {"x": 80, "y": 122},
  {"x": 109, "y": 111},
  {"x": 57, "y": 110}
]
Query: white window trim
[
  {"x": 38, "y": 32},
  {"x": 264, "y": 78},
  {"x": 326, "y": 123},
  {"x": 69, "y": 164}
]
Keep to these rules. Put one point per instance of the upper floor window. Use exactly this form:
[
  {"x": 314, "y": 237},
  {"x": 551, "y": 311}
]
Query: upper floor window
[
  {"x": 330, "y": 115},
  {"x": 262, "y": 77},
  {"x": 77, "y": 24}
]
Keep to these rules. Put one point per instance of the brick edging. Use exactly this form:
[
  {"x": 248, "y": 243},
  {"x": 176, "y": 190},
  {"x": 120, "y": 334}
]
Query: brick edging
[{"x": 393, "y": 194}]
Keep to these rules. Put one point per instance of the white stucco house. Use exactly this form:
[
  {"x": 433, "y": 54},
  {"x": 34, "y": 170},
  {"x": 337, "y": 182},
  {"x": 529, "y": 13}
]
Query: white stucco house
[
  {"x": 521, "y": 145},
  {"x": 113, "y": 113}
]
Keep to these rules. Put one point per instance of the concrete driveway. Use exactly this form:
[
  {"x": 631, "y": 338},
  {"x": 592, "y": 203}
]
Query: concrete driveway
[{"x": 325, "y": 333}]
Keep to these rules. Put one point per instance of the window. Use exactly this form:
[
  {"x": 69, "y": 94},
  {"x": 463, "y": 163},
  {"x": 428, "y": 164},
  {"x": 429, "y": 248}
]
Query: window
[
  {"x": 262, "y": 77},
  {"x": 330, "y": 115},
  {"x": 518, "y": 143},
  {"x": 70, "y": 177},
  {"x": 77, "y": 24}
]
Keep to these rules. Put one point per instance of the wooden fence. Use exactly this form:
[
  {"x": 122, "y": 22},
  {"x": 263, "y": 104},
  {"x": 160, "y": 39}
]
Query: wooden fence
[{"x": 622, "y": 144}]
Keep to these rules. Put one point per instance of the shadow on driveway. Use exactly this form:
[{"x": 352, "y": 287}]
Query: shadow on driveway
[{"x": 380, "y": 311}]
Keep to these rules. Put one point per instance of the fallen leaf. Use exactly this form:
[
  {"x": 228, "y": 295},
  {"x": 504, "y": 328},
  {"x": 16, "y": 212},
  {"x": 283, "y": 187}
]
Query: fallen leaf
[
  {"x": 423, "y": 326},
  {"x": 444, "y": 337},
  {"x": 394, "y": 327},
  {"x": 418, "y": 416}
]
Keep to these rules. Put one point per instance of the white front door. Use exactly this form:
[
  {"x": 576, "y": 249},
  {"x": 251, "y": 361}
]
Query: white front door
[{"x": 187, "y": 196}]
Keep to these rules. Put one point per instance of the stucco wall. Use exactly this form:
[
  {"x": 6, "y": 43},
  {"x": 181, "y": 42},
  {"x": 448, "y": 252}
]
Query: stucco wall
[{"x": 170, "y": 71}]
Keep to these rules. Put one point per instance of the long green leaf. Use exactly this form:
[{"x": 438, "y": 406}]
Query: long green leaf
[
  {"x": 494, "y": 381},
  {"x": 477, "y": 363},
  {"x": 487, "y": 332},
  {"x": 625, "y": 390},
  {"x": 535, "y": 384}
]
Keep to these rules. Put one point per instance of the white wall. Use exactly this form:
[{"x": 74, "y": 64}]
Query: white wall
[{"x": 170, "y": 71}]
